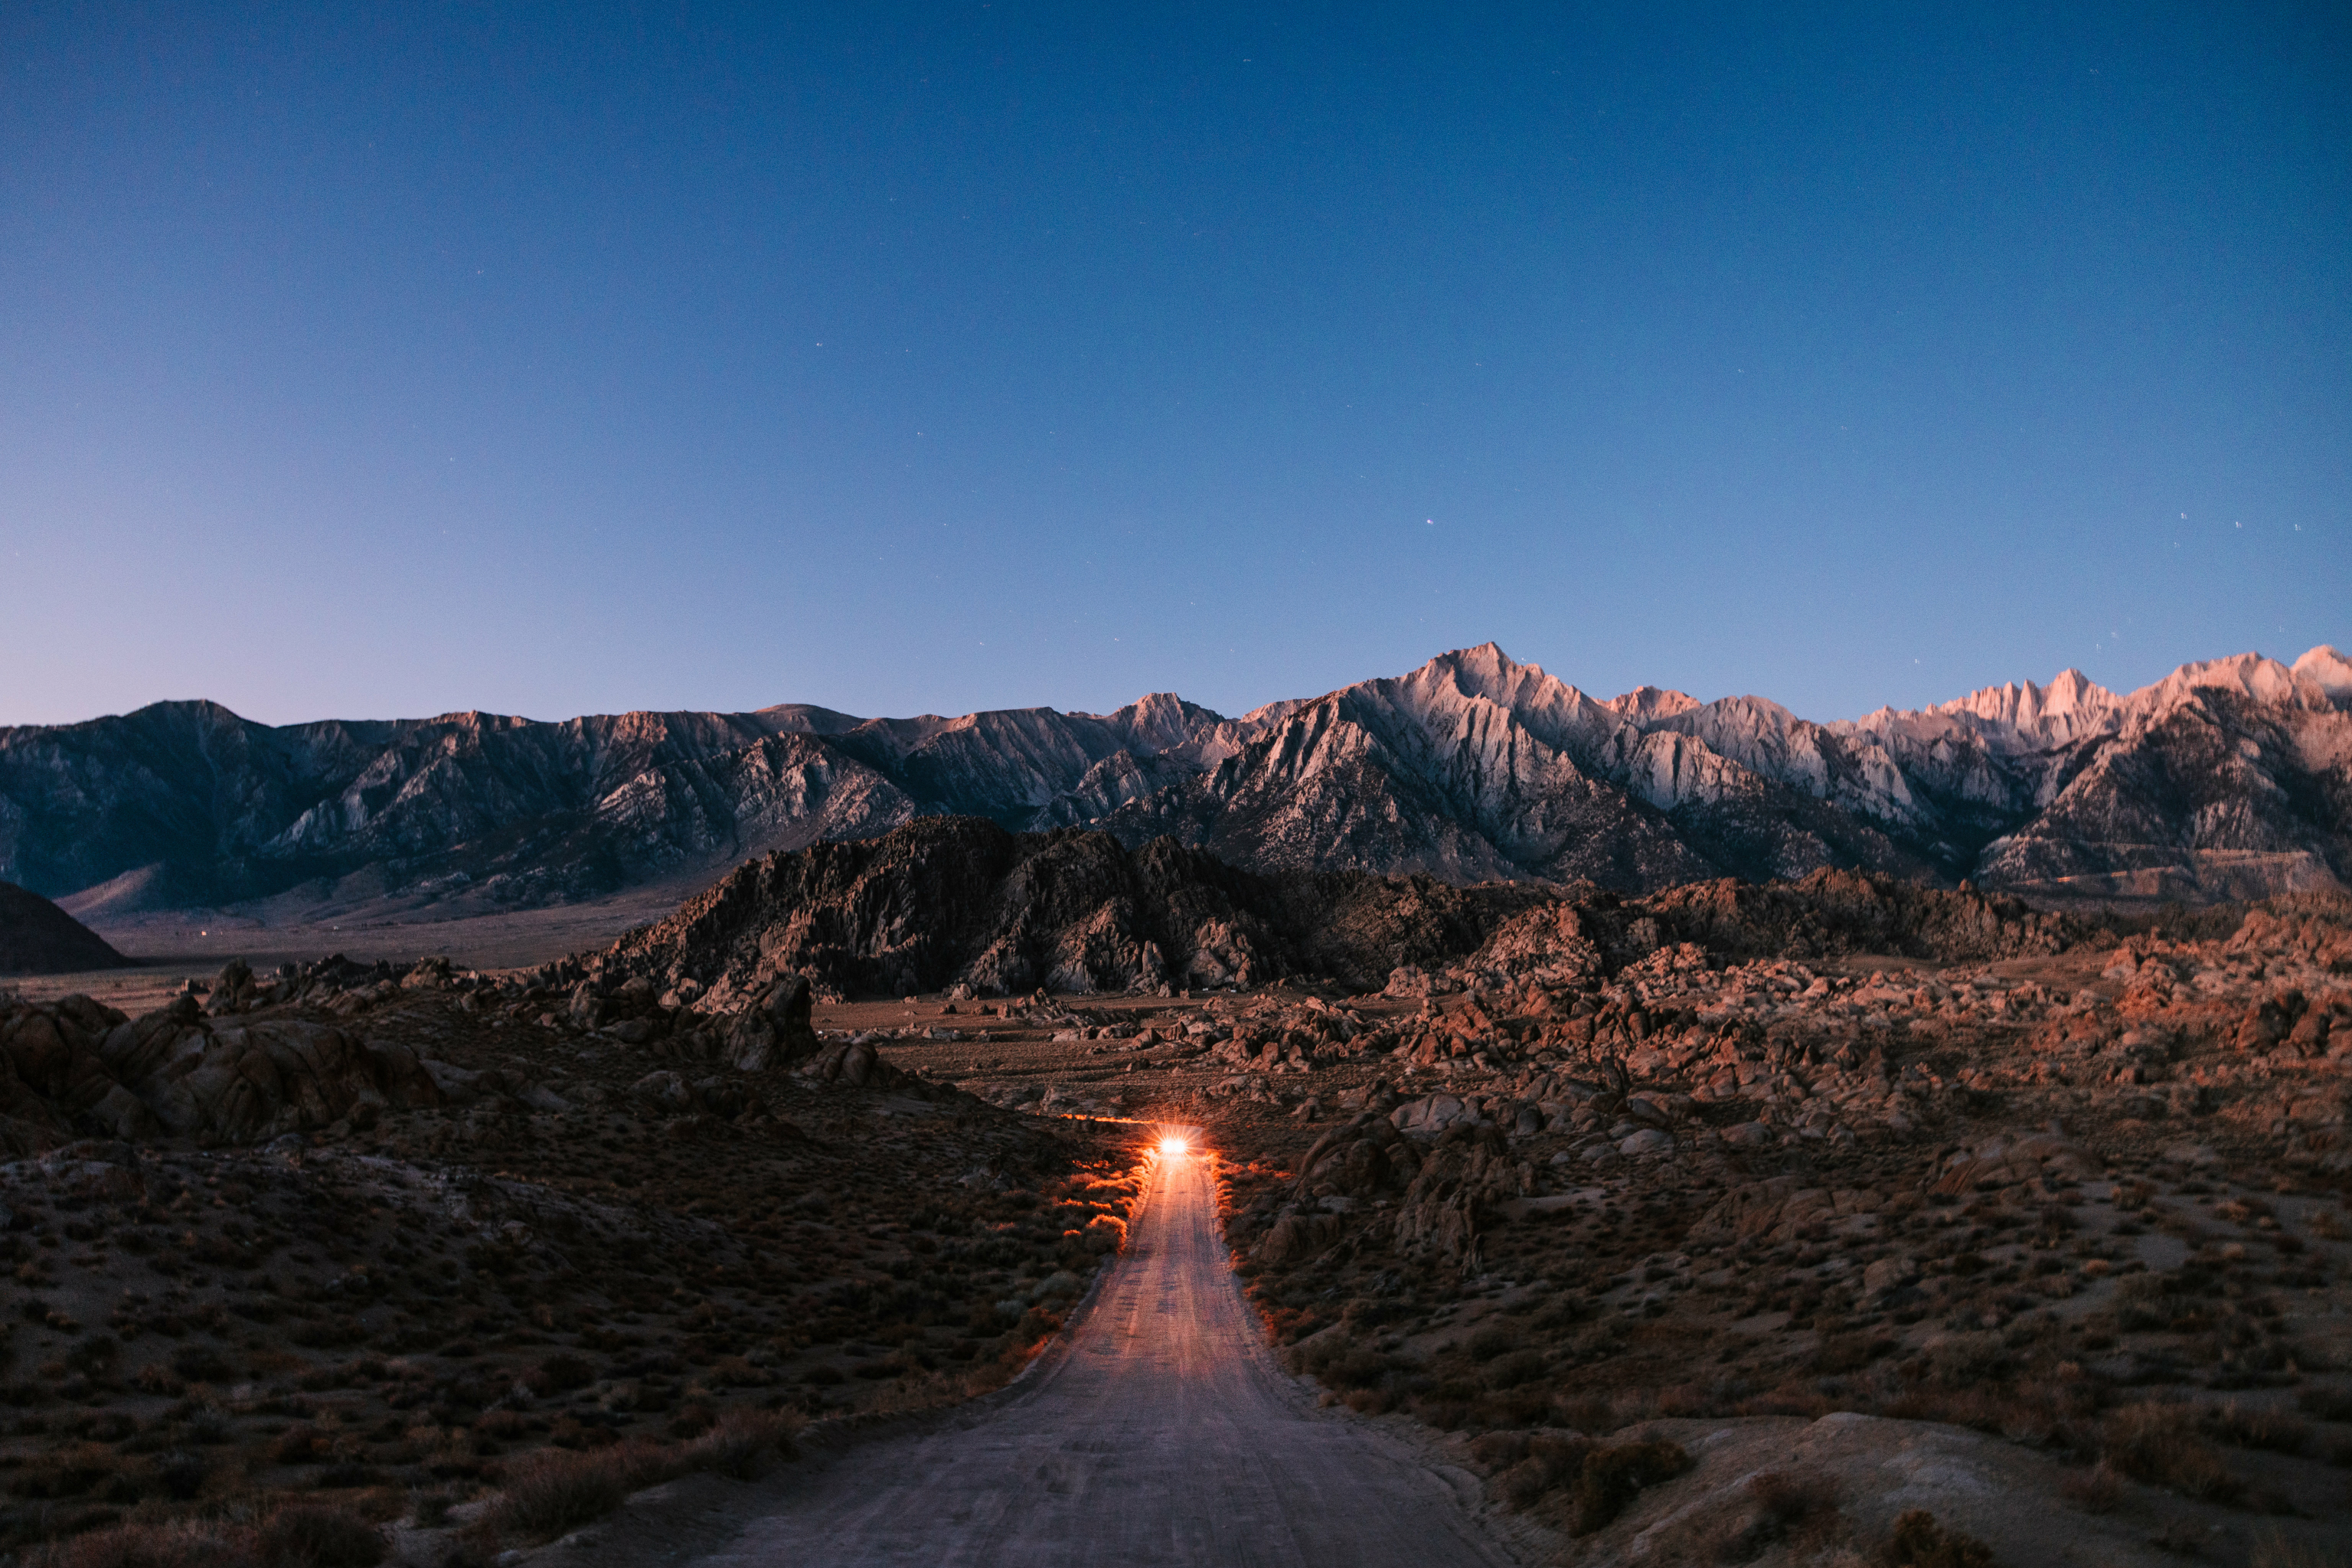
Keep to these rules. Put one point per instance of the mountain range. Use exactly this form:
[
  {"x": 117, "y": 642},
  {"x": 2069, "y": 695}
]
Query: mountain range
[{"x": 2229, "y": 778}]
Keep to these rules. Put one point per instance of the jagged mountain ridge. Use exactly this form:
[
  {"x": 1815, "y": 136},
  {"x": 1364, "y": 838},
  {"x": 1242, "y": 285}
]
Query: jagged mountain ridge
[
  {"x": 1495, "y": 768},
  {"x": 2227, "y": 779}
]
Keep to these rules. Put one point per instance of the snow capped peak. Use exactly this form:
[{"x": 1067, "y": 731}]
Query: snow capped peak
[
  {"x": 1646, "y": 705},
  {"x": 1160, "y": 721},
  {"x": 2245, "y": 674},
  {"x": 2327, "y": 669},
  {"x": 1482, "y": 671},
  {"x": 2023, "y": 716}
]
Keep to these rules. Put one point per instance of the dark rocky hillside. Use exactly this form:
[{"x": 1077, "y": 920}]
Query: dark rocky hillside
[
  {"x": 961, "y": 903},
  {"x": 38, "y": 938}
]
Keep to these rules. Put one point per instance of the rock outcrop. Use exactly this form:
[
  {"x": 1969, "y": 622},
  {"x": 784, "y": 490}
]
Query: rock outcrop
[
  {"x": 77, "y": 1068},
  {"x": 960, "y": 901}
]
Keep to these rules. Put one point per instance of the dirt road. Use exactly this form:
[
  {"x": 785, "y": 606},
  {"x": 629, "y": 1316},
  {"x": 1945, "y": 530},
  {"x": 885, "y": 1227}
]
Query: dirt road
[{"x": 1164, "y": 1434}]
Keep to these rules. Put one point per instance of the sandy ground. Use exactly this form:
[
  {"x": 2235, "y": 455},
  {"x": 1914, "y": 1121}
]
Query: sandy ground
[
  {"x": 1161, "y": 1433},
  {"x": 171, "y": 949}
]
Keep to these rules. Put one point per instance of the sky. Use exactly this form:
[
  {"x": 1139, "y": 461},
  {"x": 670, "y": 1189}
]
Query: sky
[{"x": 548, "y": 359}]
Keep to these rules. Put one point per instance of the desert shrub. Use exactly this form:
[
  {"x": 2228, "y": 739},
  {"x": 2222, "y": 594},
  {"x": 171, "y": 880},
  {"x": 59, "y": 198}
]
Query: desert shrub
[
  {"x": 2158, "y": 1444},
  {"x": 1848, "y": 1353},
  {"x": 1522, "y": 1406},
  {"x": 1796, "y": 1506},
  {"x": 177, "y": 1475},
  {"x": 741, "y": 1442},
  {"x": 66, "y": 1471},
  {"x": 1920, "y": 1543},
  {"x": 1967, "y": 1359},
  {"x": 2275, "y": 1551},
  {"x": 2095, "y": 1490},
  {"x": 1342, "y": 1363},
  {"x": 553, "y": 1490},
  {"x": 307, "y": 1535},
  {"x": 2002, "y": 1410},
  {"x": 1612, "y": 1478},
  {"x": 201, "y": 1364},
  {"x": 185, "y": 1544},
  {"x": 1533, "y": 1465},
  {"x": 2259, "y": 1426},
  {"x": 559, "y": 1374},
  {"x": 1587, "y": 1412},
  {"x": 297, "y": 1445},
  {"x": 1491, "y": 1340},
  {"x": 2324, "y": 1403},
  {"x": 1793, "y": 1496},
  {"x": 1499, "y": 1451},
  {"x": 1514, "y": 1368}
]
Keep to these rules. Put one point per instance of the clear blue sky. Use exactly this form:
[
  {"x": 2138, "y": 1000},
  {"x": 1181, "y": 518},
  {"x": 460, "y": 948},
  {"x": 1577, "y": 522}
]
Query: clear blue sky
[{"x": 365, "y": 361}]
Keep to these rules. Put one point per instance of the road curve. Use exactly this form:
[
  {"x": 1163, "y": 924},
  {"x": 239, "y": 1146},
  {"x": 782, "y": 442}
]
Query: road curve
[{"x": 1162, "y": 1434}]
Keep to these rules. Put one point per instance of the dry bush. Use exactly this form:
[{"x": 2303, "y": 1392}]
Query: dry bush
[
  {"x": 185, "y": 1543},
  {"x": 1612, "y": 1478},
  {"x": 553, "y": 1491},
  {"x": 1490, "y": 1341},
  {"x": 2259, "y": 1426},
  {"x": 307, "y": 1535},
  {"x": 2275, "y": 1551},
  {"x": 1963, "y": 1360},
  {"x": 2158, "y": 1444},
  {"x": 2095, "y": 1490},
  {"x": 741, "y": 1442},
  {"x": 559, "y": 1374},
  {"x": 1587, "y": 1412},
  {"x": 1532, "y": 1464},
  {"x": 1514, "y": 1368},
  {"x": 1341, "y": 1364},
  {"x": 1800, "y": 1506},
  {"x": 1849, "y": 1353},
  {"x": 2326, "y": 1403},
  {"x": 1794, "y": 1497},
  {"x": 67, "y": 1471},
  {"x": 1918, "y": 1542}
]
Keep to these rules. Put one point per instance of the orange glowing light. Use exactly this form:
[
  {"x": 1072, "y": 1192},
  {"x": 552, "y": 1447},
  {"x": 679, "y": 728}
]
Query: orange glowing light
[{"x": 1174, "y": 1148}]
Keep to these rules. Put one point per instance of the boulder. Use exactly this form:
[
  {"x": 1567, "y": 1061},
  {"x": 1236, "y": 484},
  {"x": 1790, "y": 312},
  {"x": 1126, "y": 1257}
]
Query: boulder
[
  {"x": 1295, "y": 1236},
  {"x": 775, "y": 1030},
  {"x": 74, "y": 1064}
]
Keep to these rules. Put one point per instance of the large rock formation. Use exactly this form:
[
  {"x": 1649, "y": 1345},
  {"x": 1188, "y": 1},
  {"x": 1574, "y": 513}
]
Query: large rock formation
[
  {"x": 38, "y": 938},
  {"x": 961, "y": 902},
  {"x": 77, "y": 1068}
]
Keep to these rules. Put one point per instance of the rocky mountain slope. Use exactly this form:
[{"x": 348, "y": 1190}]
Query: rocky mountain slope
[
  {"x": 2231, "y": 778},
  {"x": 38, "y": 938},
  {"x": 2226, "y": 779},
  {"x": 959, "y": 904}
]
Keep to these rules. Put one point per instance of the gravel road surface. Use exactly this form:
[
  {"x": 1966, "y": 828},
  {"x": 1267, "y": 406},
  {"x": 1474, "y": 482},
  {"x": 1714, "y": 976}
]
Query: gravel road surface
[{"x": 1163, "y": 1434}]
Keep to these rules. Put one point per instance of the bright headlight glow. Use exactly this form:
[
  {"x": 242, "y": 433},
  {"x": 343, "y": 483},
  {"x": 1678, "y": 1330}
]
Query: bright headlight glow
[{"x": 1174, "y": 1148}]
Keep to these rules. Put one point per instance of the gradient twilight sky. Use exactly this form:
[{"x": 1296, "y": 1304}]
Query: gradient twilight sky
[{"x": 375, "y": 361}]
